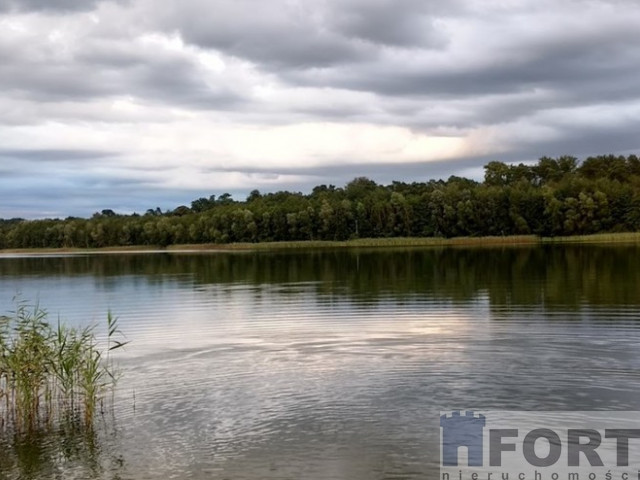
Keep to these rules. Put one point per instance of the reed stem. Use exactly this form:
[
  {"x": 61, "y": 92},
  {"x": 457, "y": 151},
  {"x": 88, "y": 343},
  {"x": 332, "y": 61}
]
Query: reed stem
[{"x": 49, "y": 373}]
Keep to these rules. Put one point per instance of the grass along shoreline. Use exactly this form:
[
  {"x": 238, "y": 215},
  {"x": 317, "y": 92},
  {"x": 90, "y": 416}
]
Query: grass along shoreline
[{"x": 395, "y": 242}]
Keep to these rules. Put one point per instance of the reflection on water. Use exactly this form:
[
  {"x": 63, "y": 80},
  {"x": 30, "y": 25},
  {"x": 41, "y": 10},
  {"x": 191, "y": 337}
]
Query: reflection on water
[
  {"x": 66, "y": 451},
  {"x": 561, "y": 275},
  {"x": 335, "y": 364}
]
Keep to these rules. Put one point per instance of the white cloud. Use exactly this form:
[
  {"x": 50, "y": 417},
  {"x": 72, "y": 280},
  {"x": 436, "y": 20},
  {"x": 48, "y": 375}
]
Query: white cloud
[{"x": 185, "y": 97}]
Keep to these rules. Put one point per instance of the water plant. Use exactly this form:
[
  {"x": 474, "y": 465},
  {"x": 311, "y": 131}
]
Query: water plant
[{"x": 51, "y": 373}]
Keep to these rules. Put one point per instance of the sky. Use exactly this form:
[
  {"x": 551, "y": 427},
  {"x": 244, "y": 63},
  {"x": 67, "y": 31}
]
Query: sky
[{"x": 135, "y": 104}]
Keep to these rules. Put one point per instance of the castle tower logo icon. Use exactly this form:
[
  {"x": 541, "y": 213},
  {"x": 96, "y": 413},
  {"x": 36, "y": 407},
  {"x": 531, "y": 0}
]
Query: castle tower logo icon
[{"x": 462, "y": 429}]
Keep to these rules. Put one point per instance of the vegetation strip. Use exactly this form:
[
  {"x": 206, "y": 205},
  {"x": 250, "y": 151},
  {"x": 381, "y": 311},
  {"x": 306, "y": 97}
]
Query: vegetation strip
[
  {"x": 52, "y": 373},
  {"x": 557, "y": 197},
  {"x": 515, "y": 240}
]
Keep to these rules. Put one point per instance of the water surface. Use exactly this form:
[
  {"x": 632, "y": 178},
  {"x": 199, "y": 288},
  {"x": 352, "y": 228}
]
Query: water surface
[{"x": 329, "y": 364}]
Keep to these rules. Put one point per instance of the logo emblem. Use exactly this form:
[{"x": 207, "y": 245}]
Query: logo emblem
[{"x": 462, "y": 429}]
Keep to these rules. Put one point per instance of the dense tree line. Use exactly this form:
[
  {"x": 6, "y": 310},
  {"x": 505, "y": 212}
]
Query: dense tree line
[{"x": 557, "y": 196}]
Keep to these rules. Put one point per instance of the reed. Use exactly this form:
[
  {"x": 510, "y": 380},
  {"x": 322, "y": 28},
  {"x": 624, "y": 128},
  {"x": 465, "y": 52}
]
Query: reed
[
  {"x": 49, "y": 373},
  {"x": 390, "y": 242},
  {"x": 597, "y": 238},
  {"x": 387, "y": 242}
]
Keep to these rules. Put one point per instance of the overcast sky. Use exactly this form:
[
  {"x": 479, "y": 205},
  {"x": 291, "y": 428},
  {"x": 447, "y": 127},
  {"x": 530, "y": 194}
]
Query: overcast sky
[{"x": 134, "y": 104}]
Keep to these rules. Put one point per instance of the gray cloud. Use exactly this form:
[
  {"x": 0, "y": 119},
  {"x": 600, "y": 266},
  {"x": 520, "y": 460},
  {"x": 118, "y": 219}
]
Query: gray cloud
[
  {"x": 394, "y": 23},
  {"x": 274, "y": 33},
  {"x": 48, "y": 5},
  {"x": 315, "y": 34},
  {"x": 43, "y": 63},
  {"x": 150, "y": 75},
  {"x": 543, "y": 77},
  {"x": 563, "y": 61},
  {"x": 582, "y": 141},
  {"x": 40, "y": 5},
  {"x": 53, "y": 155}
]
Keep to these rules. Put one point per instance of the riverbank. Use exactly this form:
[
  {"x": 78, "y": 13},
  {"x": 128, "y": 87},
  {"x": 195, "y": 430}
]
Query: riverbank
[{"x": 519, "y": 240}]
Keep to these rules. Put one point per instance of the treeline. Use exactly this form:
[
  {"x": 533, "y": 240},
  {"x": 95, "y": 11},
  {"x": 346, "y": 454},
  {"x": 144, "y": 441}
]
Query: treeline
[{"x": 557, "y": 196}]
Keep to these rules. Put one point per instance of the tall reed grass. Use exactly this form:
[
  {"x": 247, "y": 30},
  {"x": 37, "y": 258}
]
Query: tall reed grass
[{"x": 50, "y": 373}]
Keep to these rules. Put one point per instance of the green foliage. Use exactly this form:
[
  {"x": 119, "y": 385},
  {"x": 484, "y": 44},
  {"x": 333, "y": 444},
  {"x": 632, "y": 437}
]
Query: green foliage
[
  {"x": 556, "y": 196},
  {"x": 48, "y": 373}
]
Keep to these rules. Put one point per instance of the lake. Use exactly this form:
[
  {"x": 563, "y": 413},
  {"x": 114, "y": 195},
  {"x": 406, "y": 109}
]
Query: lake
[{"x": 328, "y": 364}]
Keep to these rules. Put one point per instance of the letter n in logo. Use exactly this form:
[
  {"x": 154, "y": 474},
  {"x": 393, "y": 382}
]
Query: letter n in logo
[{"x": 462, "y": 431}]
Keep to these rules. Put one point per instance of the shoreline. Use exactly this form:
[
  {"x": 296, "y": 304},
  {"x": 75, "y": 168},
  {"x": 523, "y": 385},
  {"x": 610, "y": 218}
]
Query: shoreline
[{"x": 395, "y": 242}]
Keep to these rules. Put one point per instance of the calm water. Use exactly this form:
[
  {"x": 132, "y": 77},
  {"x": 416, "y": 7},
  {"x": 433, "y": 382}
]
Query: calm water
[{"x": 329, "y": 365}]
